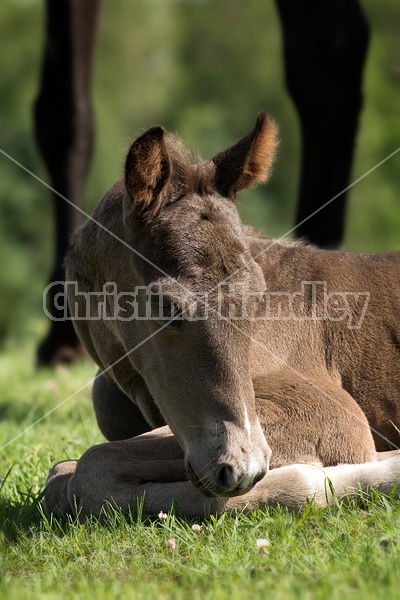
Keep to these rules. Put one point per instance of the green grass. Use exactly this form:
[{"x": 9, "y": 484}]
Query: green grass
[{"x": 341, "y": 552}]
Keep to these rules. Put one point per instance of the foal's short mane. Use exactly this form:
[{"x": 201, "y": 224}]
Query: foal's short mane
[{"x": 256, "y": 234}]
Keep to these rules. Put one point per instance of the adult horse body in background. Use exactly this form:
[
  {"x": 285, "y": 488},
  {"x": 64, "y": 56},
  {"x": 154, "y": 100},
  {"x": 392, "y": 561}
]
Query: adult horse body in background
[
  {"x": 324, "y": 47},
  {"x": 305, "y": 379}
]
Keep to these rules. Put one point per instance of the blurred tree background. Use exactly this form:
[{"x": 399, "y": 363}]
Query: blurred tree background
[{"x": 203, "y": 68}]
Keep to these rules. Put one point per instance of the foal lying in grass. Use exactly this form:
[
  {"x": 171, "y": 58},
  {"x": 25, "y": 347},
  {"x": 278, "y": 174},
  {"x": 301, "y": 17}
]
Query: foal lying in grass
[{"x": 234, "y": 371}]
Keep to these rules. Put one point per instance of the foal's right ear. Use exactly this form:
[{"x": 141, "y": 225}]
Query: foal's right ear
[{"x": 147, "y": 170}]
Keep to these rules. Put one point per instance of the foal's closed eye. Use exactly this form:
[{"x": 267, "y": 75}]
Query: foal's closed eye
[
  {"x": 166, "y": 313},
  {"x": 174, "y": 323}
]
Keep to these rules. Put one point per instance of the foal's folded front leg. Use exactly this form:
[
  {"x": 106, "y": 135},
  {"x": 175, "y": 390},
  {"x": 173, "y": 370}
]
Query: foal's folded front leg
[{"x": 148, "y": 468}]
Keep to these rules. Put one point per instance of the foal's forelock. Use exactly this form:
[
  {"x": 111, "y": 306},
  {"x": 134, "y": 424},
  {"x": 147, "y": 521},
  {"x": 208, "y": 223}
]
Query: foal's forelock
[{"x": 189, "y": 174}]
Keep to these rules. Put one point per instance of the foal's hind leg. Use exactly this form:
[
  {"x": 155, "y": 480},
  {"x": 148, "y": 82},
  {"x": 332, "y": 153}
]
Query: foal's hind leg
[
  {"x": 380, "y": 456},
  {"x": 311, "y": 420},
  {"x": 294, "y": 485}
]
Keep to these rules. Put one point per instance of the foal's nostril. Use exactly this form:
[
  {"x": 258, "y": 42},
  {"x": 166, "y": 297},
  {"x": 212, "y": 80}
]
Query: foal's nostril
[
  {"x": 258, "y": 477},
  {"x": 225, "y": 478},
  {"x": 249, "y": 480}
]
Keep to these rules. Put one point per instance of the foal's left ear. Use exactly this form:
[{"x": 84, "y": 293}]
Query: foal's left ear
[
  {"x": 147, "y": 170},
  {"x": 249, "y": 161}
]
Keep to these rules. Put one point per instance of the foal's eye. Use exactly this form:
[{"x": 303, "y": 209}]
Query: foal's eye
[
  {"x": 175, "y": 323},
  {"x": 166, "y": 313}
]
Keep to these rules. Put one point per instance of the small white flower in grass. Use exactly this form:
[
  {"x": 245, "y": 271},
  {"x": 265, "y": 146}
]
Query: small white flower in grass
[
  {"x": 162, "y": 516},
  {"x": 170, "y": 544},
  {"x": 197, "y": 528},
  {"x": 262, "y": 545}
]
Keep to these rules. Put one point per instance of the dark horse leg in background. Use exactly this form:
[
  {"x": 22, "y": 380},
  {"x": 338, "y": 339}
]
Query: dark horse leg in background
[
  {"x": 64, "y": 132},
  {"x": 325, "y": 45}
]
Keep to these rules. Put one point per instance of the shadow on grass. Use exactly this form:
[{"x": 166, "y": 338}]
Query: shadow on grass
[
  {"x": 20, "y": 517},
  {"x": 25, "y": 517}
]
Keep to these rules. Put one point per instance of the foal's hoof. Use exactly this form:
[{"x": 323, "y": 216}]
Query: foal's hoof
[{"x": 56, "y": 494}]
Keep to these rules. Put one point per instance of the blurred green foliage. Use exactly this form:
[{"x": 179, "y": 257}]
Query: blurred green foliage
[{"x": 203, "y": 68}]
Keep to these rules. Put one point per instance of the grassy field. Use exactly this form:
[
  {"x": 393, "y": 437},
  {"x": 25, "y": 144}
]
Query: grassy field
[{"x": 340, "y": 552}]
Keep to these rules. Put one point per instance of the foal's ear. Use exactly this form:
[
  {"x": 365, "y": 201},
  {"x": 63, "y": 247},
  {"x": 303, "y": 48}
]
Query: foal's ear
[
  {"x": 147, "y": 170},
  {"x": 249, "y": 161}
]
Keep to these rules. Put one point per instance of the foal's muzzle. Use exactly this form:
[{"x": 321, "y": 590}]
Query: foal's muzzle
[{"x": 225, "y": 480}]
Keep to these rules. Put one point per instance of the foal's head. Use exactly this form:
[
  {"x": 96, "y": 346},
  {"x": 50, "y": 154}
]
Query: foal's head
[{"x": 181, "y": 216}]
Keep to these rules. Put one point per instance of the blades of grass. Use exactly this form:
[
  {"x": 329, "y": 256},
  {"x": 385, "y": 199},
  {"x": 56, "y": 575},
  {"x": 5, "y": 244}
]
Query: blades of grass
[{"x": 328, "y": 484}]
